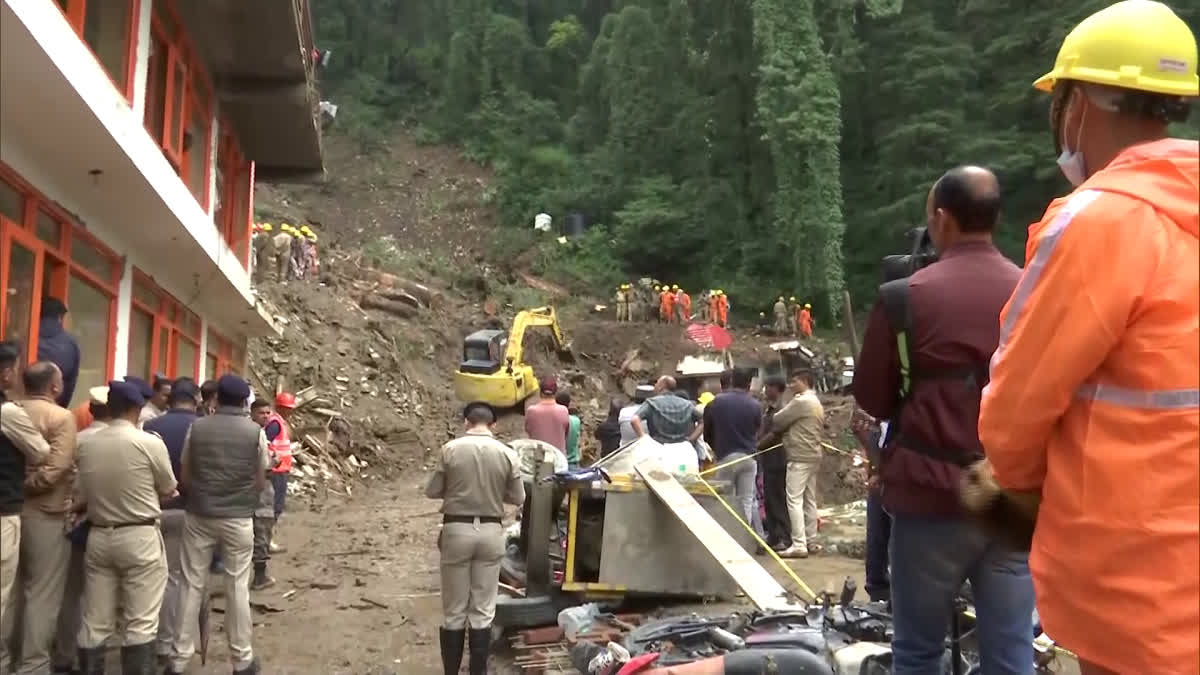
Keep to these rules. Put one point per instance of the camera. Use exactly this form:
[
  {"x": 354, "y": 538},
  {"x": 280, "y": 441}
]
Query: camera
[{"x": 923, "y": 254}]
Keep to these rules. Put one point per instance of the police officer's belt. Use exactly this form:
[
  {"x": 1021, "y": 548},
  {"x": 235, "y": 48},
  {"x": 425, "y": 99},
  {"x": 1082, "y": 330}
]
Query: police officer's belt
[
  {"x": 140, "y": 523},
  {"x": 470, "y": 519}
]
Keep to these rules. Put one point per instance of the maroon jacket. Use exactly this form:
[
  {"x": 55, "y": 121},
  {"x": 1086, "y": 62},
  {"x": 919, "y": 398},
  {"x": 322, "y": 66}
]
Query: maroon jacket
[{"x": 955, "y": 307}]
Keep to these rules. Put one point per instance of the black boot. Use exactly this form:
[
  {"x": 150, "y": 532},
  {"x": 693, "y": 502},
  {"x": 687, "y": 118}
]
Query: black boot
[
  {"x": 91, "y": 661},
  {"x": 479, "y": 640},
  {"x": 261, "y": 580},
  {"x": 452, "y": 649},
  {"x": 139, "y": 659}
]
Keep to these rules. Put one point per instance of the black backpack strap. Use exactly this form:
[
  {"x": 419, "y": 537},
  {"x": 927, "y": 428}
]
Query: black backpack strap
[{"x": 894, "y": 296}]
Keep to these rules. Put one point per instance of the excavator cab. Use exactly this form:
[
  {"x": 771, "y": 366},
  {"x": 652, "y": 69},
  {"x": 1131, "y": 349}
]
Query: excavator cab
[
  {"x": 493, "y": 370},
  {"x": 483, "y": 352}
]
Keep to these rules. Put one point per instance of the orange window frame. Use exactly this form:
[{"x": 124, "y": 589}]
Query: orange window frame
[
  {"x": 76, "y": 14},
  {"x": 183, "y": 69},
  {"x": 235, "y": 217},
  {"x": 55, "y": 266},
  {"x": 221, "y": 352},
  {"x": 171, "y": 315}
]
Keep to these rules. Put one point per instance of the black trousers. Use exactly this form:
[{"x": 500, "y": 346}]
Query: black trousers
[{"x": 777, "y": 524}]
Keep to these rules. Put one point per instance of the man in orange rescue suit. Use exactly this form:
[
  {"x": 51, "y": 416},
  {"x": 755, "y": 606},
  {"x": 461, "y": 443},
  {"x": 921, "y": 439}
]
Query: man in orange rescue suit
[
  {"x": 666, "y": 305},
  {"x": 1095, "y": 385},
  {"x": 279, "y": 438},
  {"x": 722, "y": 309},
  {"x": 804, "y": 321},
  {"x": 683, "y": 305}
]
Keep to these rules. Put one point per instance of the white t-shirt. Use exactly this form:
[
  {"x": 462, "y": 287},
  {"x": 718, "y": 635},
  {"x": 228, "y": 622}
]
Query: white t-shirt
[{"x": 625, "y": 418}]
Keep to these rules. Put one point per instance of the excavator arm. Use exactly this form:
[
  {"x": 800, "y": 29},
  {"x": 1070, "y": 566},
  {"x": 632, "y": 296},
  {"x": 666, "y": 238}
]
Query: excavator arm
[{"x": 538, "y": 316}]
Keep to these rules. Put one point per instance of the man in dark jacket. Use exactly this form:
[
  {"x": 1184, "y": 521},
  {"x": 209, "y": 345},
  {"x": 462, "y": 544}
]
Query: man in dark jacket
[
  {"x": 773, "y": 468},
  {"x": 173, "y": 426},
  {"x": 58, "y": 346},
  {"x": 953, "y": 328}
]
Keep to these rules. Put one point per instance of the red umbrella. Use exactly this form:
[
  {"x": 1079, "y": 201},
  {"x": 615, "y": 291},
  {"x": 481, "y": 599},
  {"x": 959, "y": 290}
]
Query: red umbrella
[{"x": 709, "y": 336}]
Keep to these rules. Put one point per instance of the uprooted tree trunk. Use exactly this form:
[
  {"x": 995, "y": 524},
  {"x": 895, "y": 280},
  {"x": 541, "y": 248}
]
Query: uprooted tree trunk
[
  {"x": 426, "y": 296},
  {"x": 400, "y": 309}
]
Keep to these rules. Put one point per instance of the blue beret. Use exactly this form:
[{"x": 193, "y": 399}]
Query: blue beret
[
  {"x": 232, "y": 386},
  {"x": 143, "y": 386},
  {"x": 127, "y": 391}
]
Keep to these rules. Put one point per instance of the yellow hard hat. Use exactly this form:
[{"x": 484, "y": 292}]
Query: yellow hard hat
[
  {"x": 1134, "y": 44},
  {"x": 707, "y": 397},
  {"x": 807, "y": 306},
  {"x": 675, "y": 287},
  {"x": 793, "y": 299},
  {"x": 312, "y": 236}
]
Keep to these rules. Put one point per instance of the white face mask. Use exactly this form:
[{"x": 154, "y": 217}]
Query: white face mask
[{"x": 1070, "y": 162}]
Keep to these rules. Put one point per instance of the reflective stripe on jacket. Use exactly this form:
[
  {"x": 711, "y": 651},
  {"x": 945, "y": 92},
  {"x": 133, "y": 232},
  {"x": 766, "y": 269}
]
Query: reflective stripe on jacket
[
  {"x": 1093, "y": 400},
  {"x": 281, "y": 447}
]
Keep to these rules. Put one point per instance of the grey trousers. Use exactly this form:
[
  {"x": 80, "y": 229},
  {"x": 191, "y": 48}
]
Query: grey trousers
[
  {"x": 168, "y": 617},
  {"x": 470, "y": 566},
  {"x": 742, "y": 476},
  {"x": 200, "y": 537},
  {"x": 45, "y": 558},
  {"x": 70, "y": 617},
  {"x": 10, "y": 546}
]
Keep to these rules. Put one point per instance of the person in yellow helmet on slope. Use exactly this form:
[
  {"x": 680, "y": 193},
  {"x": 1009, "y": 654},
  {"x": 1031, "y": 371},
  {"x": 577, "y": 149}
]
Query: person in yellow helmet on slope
[
  {"x": 779, "y": 311},
  {"x": 623, "y": 302},
  {"x": 804, "y": 322},
  {"x": 1094, "y": 393},
  {"x": 281, "y": 247}
]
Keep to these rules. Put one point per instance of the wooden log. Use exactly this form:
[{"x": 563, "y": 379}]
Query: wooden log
[
  {"x": 401, "y": 296},
  {"x": 390, "y": 306},
  {"x": 420, "y": 291}
]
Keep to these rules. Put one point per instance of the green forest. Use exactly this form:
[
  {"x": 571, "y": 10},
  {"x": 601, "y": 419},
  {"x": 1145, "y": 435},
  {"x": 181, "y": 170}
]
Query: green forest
[{"x": 758, "y": 146}]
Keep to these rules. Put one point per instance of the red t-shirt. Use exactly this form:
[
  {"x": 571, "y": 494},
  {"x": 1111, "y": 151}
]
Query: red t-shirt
[{"x": 548, "y": 421}]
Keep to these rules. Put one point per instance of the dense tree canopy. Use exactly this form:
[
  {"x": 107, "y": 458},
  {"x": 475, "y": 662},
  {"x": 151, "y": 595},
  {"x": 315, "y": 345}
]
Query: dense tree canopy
[{"x": 760, "y": 146}]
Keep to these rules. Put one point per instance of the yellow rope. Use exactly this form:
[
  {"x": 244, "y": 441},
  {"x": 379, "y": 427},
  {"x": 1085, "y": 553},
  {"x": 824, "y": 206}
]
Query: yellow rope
[
  {"x": 775, "y": 556},
  {"x": 739, "y": 460}
]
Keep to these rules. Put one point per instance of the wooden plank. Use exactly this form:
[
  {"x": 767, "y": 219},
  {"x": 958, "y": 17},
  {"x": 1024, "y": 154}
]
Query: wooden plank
[{"x": 757, "y": 583}]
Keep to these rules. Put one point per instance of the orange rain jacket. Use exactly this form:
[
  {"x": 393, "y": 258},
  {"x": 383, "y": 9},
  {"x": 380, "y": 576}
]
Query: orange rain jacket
[
  {"x": 1094, "y": 399},
  {"x": 806, "y": 322},
  {"x": 666, "y": 305},
  {"x": 722, "y": 310},
  {"x": 683, "y": 302}
]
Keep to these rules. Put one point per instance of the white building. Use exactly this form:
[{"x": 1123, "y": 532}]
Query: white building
[{"x": 131, "y": 135}]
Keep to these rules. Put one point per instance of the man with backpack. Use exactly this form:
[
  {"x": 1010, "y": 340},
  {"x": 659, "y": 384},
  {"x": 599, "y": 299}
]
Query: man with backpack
[{"x": 923, "y": 365}]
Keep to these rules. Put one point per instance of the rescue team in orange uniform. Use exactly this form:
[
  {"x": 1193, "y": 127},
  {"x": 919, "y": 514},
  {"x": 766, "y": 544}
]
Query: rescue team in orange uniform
[{"x": 1095, "y": 387}]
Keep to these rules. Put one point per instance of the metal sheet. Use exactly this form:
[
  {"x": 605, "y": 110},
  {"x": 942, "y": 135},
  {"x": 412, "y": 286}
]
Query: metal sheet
[{"x": 647, "y": 550}]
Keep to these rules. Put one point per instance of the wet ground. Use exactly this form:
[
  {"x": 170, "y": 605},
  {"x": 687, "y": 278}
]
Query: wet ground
[{"x": 357, "y": 589}]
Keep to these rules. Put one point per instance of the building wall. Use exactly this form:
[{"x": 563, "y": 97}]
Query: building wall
[{"x": 122, "y": 117}]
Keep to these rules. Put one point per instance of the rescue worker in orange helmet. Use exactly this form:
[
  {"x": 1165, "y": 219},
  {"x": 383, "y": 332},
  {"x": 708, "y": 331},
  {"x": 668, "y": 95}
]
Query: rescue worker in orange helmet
[
  {"x": 666, "y": 305},
  {"x": 805, "y": 320},
  {"x": 1095, "y": 387},
  {"x": 683, "y": 305}
]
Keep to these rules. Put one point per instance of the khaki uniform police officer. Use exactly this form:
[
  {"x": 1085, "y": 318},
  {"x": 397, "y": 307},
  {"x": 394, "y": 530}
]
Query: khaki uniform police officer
[
  {"x": 475, "y": 477},
  {"x": 123, "y": 473}
]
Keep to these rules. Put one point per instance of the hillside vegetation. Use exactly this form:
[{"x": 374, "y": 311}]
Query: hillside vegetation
[{"x": 760, "y": 146}]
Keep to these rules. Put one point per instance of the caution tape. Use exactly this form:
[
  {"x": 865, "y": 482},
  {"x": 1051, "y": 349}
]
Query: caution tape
[{"x": 770, "y": 551}]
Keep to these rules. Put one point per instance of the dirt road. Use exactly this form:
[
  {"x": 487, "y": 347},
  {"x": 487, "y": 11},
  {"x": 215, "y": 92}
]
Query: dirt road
[{"x": 363, "y": 570}]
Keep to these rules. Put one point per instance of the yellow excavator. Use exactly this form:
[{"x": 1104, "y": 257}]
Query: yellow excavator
[{"x": 492, "y": 369}]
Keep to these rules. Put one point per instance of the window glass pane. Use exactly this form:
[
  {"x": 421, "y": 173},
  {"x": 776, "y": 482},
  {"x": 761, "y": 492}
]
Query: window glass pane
[
  {"x": 48, "y": 229},
  {"x": 191, "y": 324},
  {"x": 210, "y": 367},
  {"x": 239, "y": 358},
  {"x": 177, "y": 122},
  {"x": 185, "y": 362},
  {"x": 18, "y": 318},
  {"x": 88, "y": 320},
  {"x": 88, "y": 256},
  {"x": 164, "y": 351},
  {"x": 144, "y": 293},
  {"x": 12, "y": 203},
  {"x": 106, "y": 30},
  {"x": 156, "y": 89},
  {"x": 141, "y": 338},
  {"x": 198, "y": 149}
]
